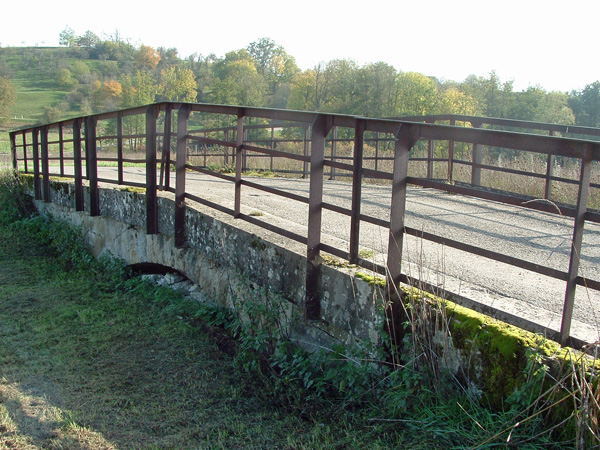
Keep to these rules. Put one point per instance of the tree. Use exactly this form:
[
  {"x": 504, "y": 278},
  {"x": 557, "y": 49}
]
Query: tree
[
  {"x": 586, "y": 105},
  {"x": 454, "y": 101},
  {"x": 87, "y": 40},
  {"x": 67, "y": 37},
  {"x": 64, "y": 78},
  {"x": 240, "y": 84},
  {"x": 378, "y": 90},
  {"x": 417, "y": 94},
  {"x": 272, "y": 63},
  {"x": 147, "y": 58},
  {"x": 8, "y": 97},
  {"x": 177, "y": 84}
]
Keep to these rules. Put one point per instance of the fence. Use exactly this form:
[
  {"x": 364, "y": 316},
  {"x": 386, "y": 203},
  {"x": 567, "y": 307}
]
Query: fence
[{"x": 387, "y": 142}]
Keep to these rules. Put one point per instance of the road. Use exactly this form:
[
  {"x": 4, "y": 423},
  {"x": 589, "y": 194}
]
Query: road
[{"x": 526, "y": 234}]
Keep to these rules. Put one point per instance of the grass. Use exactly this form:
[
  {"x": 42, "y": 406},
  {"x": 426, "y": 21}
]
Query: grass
[{"x": 88, "y": 364}]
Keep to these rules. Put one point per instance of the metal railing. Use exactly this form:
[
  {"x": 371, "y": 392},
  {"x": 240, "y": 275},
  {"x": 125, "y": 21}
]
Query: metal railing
[{"x": 77, "y": 141}]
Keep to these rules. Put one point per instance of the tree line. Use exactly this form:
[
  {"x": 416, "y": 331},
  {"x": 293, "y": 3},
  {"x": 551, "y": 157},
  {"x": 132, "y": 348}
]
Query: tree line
[{"x": 110, "y": 73}]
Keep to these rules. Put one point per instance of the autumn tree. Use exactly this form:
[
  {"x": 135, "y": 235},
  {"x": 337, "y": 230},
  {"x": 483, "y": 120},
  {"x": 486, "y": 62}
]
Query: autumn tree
[{"x": 147, "y": 58}]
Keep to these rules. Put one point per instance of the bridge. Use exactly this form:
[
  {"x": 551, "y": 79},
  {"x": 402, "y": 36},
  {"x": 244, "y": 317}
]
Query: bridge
[{"x": 428, "y": 201}]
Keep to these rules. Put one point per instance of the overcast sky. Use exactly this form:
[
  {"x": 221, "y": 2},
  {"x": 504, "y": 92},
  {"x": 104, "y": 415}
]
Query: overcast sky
[{"x": 554, "y": 44}]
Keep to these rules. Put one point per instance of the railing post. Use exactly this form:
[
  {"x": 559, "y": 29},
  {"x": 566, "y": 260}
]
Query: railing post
[
  {"x": 451, "y": 155},
  {"x": 180, "y": 158},
  {"x": 430, "y": 155},
  {"x": 45, "y": 165},
  {"x": 120, "y": 146},
  {"x": 79, "y": 200},
  {"x": 376, "y": 150},
  {"x": 61, "y": 149},
  {"x": 165, "y": 167},
  {"x": 476, "y": 167},
  {"x": 405, "y": 138},
  {"x": 25, "y": 167},
  {"x": 237, "y": 208},
  {"x": 245, "y": 153},
  {"x": 357, "y": 171},
  {"x": 151, "y": 198},
  {"x": 320, "y": 130},
  {"x": 13, "y": 151},
  {"x": 334, "y": 137},
  {"x": 272, "y": 146},
  {"x": 306, "y": 151},
  {"x": 226, "y": 162},
  {"x": 582, "y": 199},
  {"x": 92, "y": 164},
  {"x": 37, "y": 187},
  {"x": 549, "y": 164}
]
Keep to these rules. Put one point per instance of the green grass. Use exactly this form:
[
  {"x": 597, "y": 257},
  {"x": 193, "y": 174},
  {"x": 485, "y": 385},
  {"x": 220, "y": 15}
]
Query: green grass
[{"x": 86, "y": 364}]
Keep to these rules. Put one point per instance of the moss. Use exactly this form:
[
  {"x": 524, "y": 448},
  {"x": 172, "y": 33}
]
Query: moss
[
  {"x": 336, "y": 262},
  {"x": 372, "y": 280},
  {"x": 258, "y": 243},
  {"x": 135, "y": 190}
]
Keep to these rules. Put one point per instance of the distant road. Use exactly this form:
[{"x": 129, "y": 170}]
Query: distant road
[{"x": 519, "y": 232}]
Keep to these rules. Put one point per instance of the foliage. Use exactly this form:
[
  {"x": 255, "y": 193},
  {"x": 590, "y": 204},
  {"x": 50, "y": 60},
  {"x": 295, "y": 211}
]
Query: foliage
[
  {"x": 15, "y": 202},
  {"x": 8, "y": 97}
]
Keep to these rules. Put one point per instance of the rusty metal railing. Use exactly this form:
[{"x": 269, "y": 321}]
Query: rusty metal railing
[{"x": 79, "y": 141}]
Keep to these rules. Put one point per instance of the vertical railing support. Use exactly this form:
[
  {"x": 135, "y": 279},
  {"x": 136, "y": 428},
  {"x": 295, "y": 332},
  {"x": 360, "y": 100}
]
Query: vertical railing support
[
  {"x": 13, "y": 151},
  {"x": 451, "y": 155},
  {"x": 320, "y": 129},
  {"x": 180, "y": 158},
  {"x": 92, "y": 164},
  {"x": 476, "y": 167},
  {"x": 226, "y": 162},
  {"x": 306, "y": 151},
  {"x": 45, "y": 164},
  {"x": 376, "y": 150},
  {"x": 272, "y": 147},
  {"x": 334, "y": 136},
  {"x": 549, "y": 164},
  {"x": 165, "y": 166},
  {"x": 37, "y": 187},
  {"x": 25, "y": 166},
  {"x": 582, "y": 199},
  {"x": 357, "y": 171},
  {"x": 61, "y": 149},
  {"x": 79, "y": 200},
  {"x": 405, "y": 139},
  {"x": 120, "y": 147},
  {"x": 430, "y": 156},
  {"x": 239, "y": 165},
  {"x": 151, "y": 197}
]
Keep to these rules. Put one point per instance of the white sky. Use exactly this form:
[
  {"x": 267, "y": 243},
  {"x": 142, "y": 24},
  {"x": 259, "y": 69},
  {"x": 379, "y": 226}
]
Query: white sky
[{"x": 554, "y": 44}]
